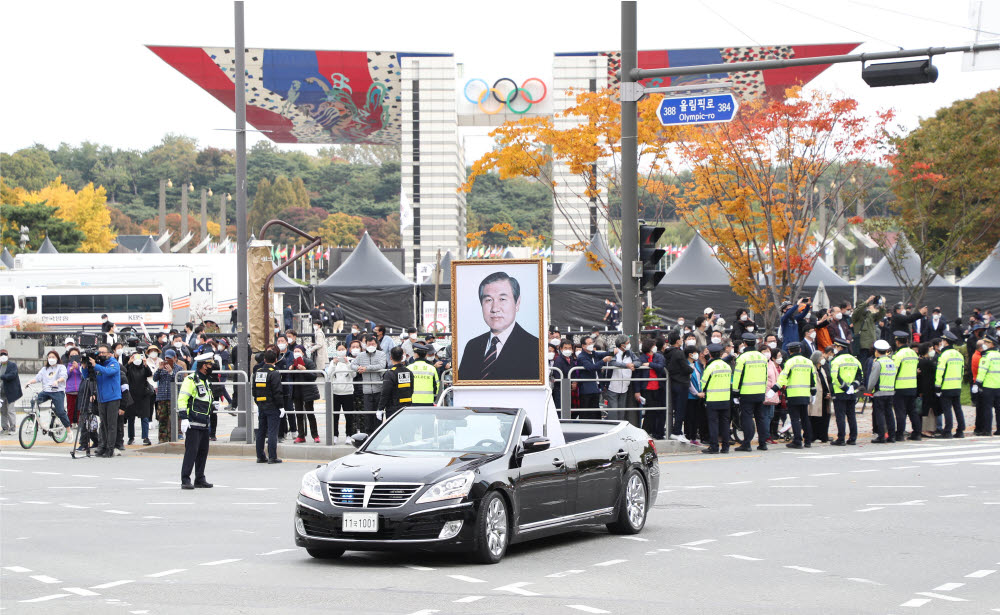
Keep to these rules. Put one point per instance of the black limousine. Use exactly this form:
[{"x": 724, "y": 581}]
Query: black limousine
[{"x": 475, "y": 480}]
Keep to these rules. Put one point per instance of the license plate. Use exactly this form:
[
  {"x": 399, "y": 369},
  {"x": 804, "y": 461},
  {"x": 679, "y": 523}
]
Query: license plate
[{"x": 359, "y": 522}]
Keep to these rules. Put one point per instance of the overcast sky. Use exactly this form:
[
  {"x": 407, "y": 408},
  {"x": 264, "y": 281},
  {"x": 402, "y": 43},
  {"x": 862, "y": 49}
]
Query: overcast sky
[{"x": 76, "y": 71}]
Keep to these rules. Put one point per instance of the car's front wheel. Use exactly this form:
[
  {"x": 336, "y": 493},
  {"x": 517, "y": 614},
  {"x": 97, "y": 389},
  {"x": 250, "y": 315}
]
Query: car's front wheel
[
  {"x": 632, "y": 507},
  {"x": 492, "y": 529},
  {"x": 327, "y": 553}
]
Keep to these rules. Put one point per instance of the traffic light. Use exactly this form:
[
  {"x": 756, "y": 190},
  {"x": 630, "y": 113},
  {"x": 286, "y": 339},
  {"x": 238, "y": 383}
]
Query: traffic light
[
  {"x": 650, "y": 255},
  {"x": 899, "y": 73}
]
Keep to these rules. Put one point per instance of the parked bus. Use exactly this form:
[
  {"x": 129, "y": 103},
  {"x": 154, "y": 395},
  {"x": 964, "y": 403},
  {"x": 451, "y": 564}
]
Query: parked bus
[{"x": 74, "y": 308}]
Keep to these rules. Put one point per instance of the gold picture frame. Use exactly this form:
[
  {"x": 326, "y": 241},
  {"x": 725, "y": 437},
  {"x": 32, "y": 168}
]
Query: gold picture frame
[{"x": 522, "y": 332}]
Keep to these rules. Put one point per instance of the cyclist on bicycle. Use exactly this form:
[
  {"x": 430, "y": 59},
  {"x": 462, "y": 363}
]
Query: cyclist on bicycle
[{"x": 53, "y": 380}]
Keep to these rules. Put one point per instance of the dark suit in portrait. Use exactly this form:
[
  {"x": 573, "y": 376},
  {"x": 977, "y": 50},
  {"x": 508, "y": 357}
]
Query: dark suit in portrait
[{"x": 517, "y": 358}]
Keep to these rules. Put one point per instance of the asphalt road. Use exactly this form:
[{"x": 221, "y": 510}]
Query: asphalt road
[{"x": 904, "y": 528}]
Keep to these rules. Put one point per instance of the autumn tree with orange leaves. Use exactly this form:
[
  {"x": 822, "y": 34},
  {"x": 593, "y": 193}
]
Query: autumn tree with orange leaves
[{"x": 752, "y": 192}]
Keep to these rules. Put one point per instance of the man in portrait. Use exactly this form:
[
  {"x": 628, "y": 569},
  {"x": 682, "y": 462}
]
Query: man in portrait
[{"x": 506, "y": 351}]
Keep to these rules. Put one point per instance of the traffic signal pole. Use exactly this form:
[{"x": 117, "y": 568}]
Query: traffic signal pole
[{"x": 630, "y": 178}]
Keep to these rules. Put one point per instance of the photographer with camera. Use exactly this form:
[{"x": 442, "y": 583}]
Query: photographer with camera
[
  {"x": 866, "y": 314},
  {"x": 108, "y": 397},
  {"x": 791, "y": 317}
]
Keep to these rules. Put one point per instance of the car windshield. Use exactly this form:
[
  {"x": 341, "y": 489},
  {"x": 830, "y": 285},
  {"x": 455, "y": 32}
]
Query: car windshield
[{"x": 444, "y": 430}]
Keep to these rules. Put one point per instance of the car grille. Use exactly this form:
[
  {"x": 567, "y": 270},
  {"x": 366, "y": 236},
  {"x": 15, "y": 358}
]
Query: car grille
[
  {"x": 388, "y": 530},
  {"x": 352, "y": 495}
]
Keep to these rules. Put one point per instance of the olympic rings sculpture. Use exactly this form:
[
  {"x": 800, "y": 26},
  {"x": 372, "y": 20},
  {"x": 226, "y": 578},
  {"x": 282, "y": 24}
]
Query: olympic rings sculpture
[{"x": 507, "y": 96}]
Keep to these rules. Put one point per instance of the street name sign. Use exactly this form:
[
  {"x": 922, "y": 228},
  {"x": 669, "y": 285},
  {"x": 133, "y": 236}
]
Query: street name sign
[{"x": 707, "y": 109}]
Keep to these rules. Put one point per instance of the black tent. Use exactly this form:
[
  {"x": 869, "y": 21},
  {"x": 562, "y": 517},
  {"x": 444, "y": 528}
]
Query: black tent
[
  {"x": 47, "y": 248},
  {"x": 695, "y": 281},
  {"x": 881, "y": 281},
  {"x": 576, "y": 297},
  {"x": 821, "y": 272},
  {"x": 294, "y": 292},
  {"x": 446, "y": 259},
  {"x": 981, "y": 288},
  {"x": 150, "y": 247},
  {"x": 368, "y": 286},
  {"x": 7, "y": 259}
]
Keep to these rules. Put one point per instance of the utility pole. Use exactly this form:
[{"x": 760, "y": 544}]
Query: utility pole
[
  {"x": 244, "y": 428},
  {"x": 630, "y": 176}
]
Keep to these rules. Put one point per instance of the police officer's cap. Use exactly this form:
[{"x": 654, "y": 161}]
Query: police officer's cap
[
  {"x": 951, "y": 337},
  {"x": 881, "y": 345},
  {"x": 424, "y": 348},
  {"x": 794, "y": 347},
  {"x": 900, "y": 334},
  {"x": 750, "y": 337},
  {"x": 715, "y": 348},
  {"x": 992, "y": 338},
  {"x": 978, "y": 327},
  {"x": 205, "y": 356},
  {"x": 839, "y": 341}
]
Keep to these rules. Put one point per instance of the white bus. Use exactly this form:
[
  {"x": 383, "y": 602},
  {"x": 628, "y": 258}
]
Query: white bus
[{"x": 75, "y": 308}]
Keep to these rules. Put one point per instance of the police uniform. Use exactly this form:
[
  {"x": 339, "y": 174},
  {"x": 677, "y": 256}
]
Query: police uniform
[
  {"x": 397, "y": 389},
  {"x": 716, "y": 381},
  {"x": 988, "y": 381},
  {"x": 194, "y": 405},
  {"x": 846, "y": 374},
  {"x": 748, "y": 388},
  {"x": 425, "y": 378},
  {"x": 798, "y": 378},
  {"x": 948, "y": 384},
  {"x": 269, "y": 397},
  {"x": 882, "y": 384},
  {"x": 904, "y": 400}
]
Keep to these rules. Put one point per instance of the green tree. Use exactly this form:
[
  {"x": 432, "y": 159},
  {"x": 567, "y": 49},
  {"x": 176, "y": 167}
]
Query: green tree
[
  {"x": 42, "y": 222},
  {"x": 30, "y": 168},
  {"x": 341, "y": 229}
]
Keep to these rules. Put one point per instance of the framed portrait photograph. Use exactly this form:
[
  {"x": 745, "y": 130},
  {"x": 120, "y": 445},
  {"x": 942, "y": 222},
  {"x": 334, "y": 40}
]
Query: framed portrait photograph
[{"x": 497, "y": 318}]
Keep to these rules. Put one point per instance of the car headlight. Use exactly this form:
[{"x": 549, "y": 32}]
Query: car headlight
[
  {"x": 450, "y": 488},
  {"x": 311, "y": 487}
]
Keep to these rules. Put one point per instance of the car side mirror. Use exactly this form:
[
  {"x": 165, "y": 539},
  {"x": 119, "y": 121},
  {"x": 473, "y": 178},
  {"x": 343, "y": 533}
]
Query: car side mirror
[
  {"x": 535, "y": 444},
  {"x": 358, "y": 439},
  {"x": 526, "y": 428}
]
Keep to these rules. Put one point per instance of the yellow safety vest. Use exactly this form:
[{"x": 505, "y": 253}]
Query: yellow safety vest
[
  {"x": 750, "y": 375},
  {"x": 715, "y": 381},
  {"x": 797, "y": 378},
  {"x": 844, "y": 369},
  {"x": 886, "y": 375},
  {"x": 950, "y": 368},
  {"x": 425, "y": 383},
  {"x": 989, "y": 370},
  {"x": 906, "y": 369}
]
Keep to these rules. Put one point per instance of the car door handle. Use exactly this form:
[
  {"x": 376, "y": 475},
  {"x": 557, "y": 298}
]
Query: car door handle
[
  {"x": 558, "y": 462},
  {"x": 620, "y": 455}
]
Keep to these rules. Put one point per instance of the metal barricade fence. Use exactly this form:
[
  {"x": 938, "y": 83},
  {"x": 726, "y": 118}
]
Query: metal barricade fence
[
  {"x": 244, "y": 385},
  {"x": 566, "y": 394}
]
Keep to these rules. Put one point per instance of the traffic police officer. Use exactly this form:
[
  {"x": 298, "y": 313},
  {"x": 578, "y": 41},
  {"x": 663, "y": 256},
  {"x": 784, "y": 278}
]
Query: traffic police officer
[
  {"x": 882, "y": 384},
  {"x": 425, "y": 378},
  {"x": 397, "y": 385},
  {"x": 988, "y": 385},
  {"x": 269, "y": 397},
  {"x": 846, "y": 374},
  {"x": 948, "y": 384},
  {"x": 716, "y": 381},
  {"x": 905, "y": 399},
  {"x": 194, "y": 408},
  {"x": 749, "y": 385},
  {"x": 798, "y": 378}
]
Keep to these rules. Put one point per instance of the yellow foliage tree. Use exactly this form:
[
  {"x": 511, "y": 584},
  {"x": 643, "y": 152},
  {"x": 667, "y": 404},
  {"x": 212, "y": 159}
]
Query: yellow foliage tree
[{"x": 86, "y": 209}]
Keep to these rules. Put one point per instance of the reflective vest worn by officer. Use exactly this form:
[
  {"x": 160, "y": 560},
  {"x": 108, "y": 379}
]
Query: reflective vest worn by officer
[
  {"x": 846, "y": 372},
  {"x": 750, "y": 376},
  {"x": 716, "y": 381},
  {"x": 798, "y": 379},
  {"x": 267, "y": 393},
  {"x": 425, "y": 383},
  {"x": 988, "y": 376},
  {"x": 194, "y": 402},
  {"x": 397, "y": 388},
  {"x": 906, "y": 371},
  {"x": 950, "y": 369},
  {"x": 886, "y": 375}
]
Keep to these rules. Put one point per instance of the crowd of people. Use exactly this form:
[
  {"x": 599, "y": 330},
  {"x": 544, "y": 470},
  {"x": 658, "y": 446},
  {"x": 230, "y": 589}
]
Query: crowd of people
[{"x": 724, "y": 384}]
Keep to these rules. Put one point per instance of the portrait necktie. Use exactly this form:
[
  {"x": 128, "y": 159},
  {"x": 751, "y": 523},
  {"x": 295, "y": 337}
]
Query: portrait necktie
[{"x": 491, "y": 357}]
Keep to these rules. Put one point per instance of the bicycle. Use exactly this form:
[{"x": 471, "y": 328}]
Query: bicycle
[{"x": 27, "y": 432}]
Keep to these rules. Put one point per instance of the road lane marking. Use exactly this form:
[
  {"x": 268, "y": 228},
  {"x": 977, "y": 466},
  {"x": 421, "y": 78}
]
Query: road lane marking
[
  {"x": 124, "y": 478},
  {"x": 585, "y": 608},
  {"x": 636, "y": 538},
  {"x": 955, "y": 495},
  {"x": 164, "y": 573},
  {"x": 85, "y": 476},
  {"x": 611, "y": 562},
  {"x": 895, "y": 486},
  {"x": 35, "y": 502},
  {"x": 277, "y": 551},
  {"x": 860, "y": 580},
  {"x": 256, "y": 488},
  {"x": 694, "y": 548},
  {"x": 942, "y": 597},
  {"x": 462, "y": 577},
  {"x": 49, "y": 473},
  {"x": 793, "y": 486},
  {"x": 785, "y": 478},
  {"x": 112, "y": 584},
  {"x": 980, "y": 458},
  {"x": 517, "y": 588},
  {"x": 46, "y": 598},
  {"x": 947, "y": 587},
  {"x": 469, "y": 599},
  {"x": 862, "y": 471},
  {"x": 779, "y": 505},
  {"x": 803, "y": 569},
  {"x": 907, "y": 503},
  {"x": 415, "y": 567},
  {"x": 45, "y": 578},
  {"x": 151, "y": 517},
  {"x": 979, "y": 574},
  {"x": 255, "y": 503},
  {"x": 904, "y": 467},
  {"x": 425, "y": 612},
  {"x": 73, "y": 487},
  {"x": 79, "y": 591},
  {"x": 737, "y": 534},
  {"x": 565, "y": 573},
  {"x": 745, "y": 558},
  {"x": 698, "y": 486},
  {"x": 219, "y": 562},
  {"x": 980, "y": 448},
  {"x": 169, "y": 503},
  {"x": 17, "y": 568},
  {"x": 695, "y": 543},
  {"x": 916, "y": 602},
  {"x": 740, "y": 482},
  {"x": 826, "y": 474},
  {"x": 873, "y": 508},
  {"x": 8, "y": 470},
  {"x": 117, "y": 512},
  {"x": 664, "y": 550}
]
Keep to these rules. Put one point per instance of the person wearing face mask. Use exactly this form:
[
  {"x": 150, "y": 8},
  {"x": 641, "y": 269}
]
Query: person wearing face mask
[
  {"x": 73, "y": 378},
  {"x": 593, "y": 362},
  {"x": 163, "y": 377},
  {"x": 407, "y": 341},
  {"x": 353, "y": 421},
  {"x": 267, "y": 395},
  {"x": 342, "y": 373},
  {"x": 181, "y": 349},
  {"x": 354, "y": 335},
  {"x": 286, "y": 356},
  {"x": 868, "y": 312},
  {"x": 808, "y": 344},
  {"x": 821, "y": 404},
  {"x": 948, "y": 385},
  {"x": 318, "y": 351},
  {"x": 987, "y": 381},
  {"x": 652, "y": 393},
  {"x": 108, "y": 397},
  {"x": 740, "y": 324},
  {"x": 772, "y": 400},
  {"x": 194, "y": 407},
  {"x": 622, "y": 365},
  {"x": 903, "y": 319},
  {"x": 792, "y": 317},
  {"x": 905, "y": 398},
  {"x": 136, "y": 373},
  {"x": 52, "y": 377},
  {"x": 371, "y": 363},
  {"x": 716, "y": 383},
  {"x": 10, "y": 392},
  {"x": 839, "y": 325},
  {"x": 696, "y": 422},
  {"x": 845, "y": 377},
  {"x": 564, "y": 360},
  {"x": 304, "y": 395},
  {"x": 927, "y": 402},
  {"x": 749, "y": 388},
  {"x": 798, "y": 378},
  {"x": 933, "y": 326},
  {"x": 680, "y": 325},
  {"x": 882, "y": 383}
]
